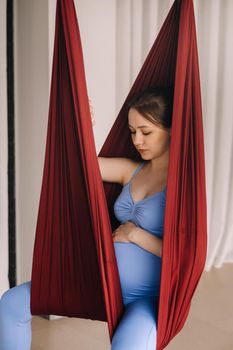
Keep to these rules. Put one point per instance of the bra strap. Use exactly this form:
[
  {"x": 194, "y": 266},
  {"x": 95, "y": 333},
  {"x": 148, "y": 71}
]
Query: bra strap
[{"x": 136, "y": 171}]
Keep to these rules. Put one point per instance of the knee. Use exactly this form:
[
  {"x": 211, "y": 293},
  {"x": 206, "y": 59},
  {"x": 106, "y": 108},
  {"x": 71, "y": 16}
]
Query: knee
[
  {"x": 7, "y": 300},
  {"x": 14, "y": 301}
]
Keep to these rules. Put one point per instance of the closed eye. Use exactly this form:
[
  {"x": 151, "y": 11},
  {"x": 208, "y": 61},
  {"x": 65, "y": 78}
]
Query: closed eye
[{"x": 144, "y": 133}]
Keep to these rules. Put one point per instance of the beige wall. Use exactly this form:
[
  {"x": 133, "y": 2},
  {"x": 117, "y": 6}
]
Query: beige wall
[
  {"x": 4, "y": 282},
  {"x": 31, "y": 106}
]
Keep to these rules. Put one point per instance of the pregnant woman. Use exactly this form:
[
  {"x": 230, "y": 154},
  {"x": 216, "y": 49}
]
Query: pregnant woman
[{"x": 137, "y": 241}]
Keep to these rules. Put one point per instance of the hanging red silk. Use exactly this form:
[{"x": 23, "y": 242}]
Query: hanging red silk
[{"x": 74, "y": 269}]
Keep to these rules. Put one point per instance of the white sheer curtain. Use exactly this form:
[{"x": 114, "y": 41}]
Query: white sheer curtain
[
  {"x": 4, "y": 283},
  {"x": 215, "y": 30},
  {"x": 138, "y": 23}
]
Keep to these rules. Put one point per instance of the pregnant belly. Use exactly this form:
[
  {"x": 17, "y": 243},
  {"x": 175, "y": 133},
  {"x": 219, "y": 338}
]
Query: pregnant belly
[{"x": 139, "y": 271}]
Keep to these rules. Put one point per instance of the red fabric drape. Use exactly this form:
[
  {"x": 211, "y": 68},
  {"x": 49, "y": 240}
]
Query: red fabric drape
[{"x": 74, "y": 267}]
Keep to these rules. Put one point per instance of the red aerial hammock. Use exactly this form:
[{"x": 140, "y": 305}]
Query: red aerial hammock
[{"x": 74, "y": 269}]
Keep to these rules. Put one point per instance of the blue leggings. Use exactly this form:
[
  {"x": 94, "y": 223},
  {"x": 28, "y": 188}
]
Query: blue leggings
[{"x": 136, "y": 330}]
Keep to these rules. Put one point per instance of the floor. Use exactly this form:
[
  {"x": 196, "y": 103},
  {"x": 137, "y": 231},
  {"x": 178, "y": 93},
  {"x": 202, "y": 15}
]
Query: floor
[{"x": 209, "y": 325}]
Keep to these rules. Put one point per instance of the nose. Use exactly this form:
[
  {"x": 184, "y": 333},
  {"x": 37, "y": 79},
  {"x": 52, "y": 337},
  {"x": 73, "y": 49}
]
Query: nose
[{"x": 138, "y": 139}]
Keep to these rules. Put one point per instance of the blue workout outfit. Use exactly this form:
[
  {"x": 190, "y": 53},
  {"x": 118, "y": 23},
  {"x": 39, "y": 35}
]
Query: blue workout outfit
[{"x": 139, "y": 272}]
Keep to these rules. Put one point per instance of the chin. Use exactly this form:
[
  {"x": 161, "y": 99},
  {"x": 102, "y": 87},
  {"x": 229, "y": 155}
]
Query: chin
[{"x": 145, "y": 155}]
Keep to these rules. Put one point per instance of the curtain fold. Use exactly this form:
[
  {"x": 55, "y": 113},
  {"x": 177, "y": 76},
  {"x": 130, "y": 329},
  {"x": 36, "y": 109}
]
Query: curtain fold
[
  {"x": 215, "y": 28},
  {"x": 74, "y": 266}
]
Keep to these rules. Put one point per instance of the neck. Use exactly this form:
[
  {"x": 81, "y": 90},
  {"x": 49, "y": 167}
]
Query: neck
[{"x": 161, "y": 162}]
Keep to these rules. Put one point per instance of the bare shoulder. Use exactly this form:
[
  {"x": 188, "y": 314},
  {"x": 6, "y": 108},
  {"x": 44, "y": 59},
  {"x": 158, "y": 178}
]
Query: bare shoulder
[
  {"x": 130, "y": 167},
  {"x": 117, "y": 169}
]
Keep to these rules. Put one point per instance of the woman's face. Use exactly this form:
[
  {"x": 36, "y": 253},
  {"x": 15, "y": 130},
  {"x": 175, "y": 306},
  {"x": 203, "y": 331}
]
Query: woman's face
[{"x": 150, "y": 140}]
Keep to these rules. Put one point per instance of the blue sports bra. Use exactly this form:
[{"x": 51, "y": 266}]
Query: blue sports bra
[{"x": 147, "y": 213}]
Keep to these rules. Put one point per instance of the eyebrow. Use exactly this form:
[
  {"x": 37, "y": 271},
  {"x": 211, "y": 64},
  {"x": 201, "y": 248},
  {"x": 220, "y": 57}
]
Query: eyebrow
[{"x": 140, "y": 127}]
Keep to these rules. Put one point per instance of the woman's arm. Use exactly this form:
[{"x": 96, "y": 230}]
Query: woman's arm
[
  {"x": 146, "y": 240},
  {"x": 116, "y": 169},
  {"x": 129, "y": 232}
]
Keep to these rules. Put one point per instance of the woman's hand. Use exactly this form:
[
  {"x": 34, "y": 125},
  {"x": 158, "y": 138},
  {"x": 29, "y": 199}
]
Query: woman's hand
[
  {"x": 92, "y": 113},
  {"x": 124, "y": 232},
  {"x": 129, "y": 232}
]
